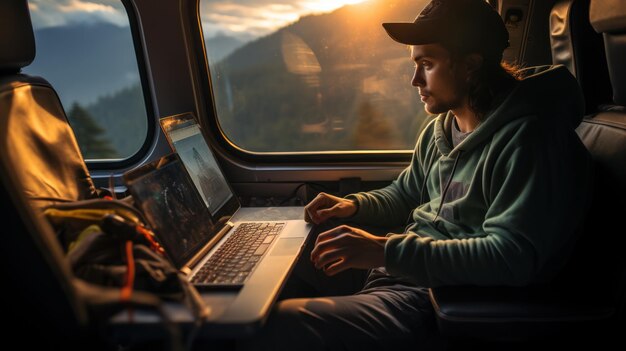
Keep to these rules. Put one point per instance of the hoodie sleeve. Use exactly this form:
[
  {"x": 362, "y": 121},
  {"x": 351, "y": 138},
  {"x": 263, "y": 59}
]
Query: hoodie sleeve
[
  {"x": 391, "y": 206},
  {"x": 537, "y": 189}
]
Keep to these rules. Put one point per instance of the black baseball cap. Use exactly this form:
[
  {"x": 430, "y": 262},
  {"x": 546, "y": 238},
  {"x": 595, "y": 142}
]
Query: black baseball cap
[{"x": 468, "y": 25}]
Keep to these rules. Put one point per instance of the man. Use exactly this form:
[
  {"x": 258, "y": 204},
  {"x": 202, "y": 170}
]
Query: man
[{"x": 496, "y": 188}]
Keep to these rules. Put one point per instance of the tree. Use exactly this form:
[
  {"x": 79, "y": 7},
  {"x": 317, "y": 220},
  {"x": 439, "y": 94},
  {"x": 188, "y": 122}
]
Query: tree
[
  {"x": 374, "y": 130},
  {"x": 91, "y": 139}
]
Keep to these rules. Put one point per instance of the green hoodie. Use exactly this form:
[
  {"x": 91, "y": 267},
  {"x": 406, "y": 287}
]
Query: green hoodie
[{"x": 503, "y": 206}]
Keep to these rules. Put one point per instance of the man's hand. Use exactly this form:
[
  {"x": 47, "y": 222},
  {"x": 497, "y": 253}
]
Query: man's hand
[
  {"x": 345, "y": 247},
  {"x": 326, "y": 206}
]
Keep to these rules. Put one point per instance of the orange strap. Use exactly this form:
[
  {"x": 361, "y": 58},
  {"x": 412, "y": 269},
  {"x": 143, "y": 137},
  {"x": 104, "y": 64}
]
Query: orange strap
[
  {"x": 154, "y": 245},
  {"x": 127, "y": 289}
]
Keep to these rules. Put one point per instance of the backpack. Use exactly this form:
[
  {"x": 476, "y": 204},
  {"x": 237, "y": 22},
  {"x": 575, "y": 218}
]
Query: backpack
[{"x": 121, "y": 265}]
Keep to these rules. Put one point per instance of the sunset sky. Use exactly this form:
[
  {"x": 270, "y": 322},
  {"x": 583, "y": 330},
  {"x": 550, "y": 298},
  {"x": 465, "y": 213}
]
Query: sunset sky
[{"x": 245, "y": 19}]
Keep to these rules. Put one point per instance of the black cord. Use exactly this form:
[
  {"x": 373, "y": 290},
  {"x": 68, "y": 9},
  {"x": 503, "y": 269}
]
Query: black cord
[
  {"x": 294, "y": 193},
  {"x": 49, "y": 198}
]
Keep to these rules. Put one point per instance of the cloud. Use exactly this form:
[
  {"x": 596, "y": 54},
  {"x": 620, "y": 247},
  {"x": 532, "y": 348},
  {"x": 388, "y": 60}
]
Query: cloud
[
  {"x": 47, "y": 13},
  {"x": 244, "y": 19},
  {"x": 254, "y": 18},
  {"x": 89, "y": 7}
]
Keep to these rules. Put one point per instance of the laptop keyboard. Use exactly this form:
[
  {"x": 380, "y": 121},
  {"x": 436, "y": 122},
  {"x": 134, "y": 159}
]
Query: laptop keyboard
[{"x": 233, "y": 262}]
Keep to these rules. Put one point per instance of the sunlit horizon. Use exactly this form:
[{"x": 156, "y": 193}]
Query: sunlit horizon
[
  {"x": 328, "y": 5},
  {"x": 248, "y": 21}
]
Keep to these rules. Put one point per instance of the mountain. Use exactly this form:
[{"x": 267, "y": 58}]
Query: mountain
[
  {"x": 84, "y": 62},
  {"x": 123, "y": 115},
  {"x": 93, "y": 68},
  {"x": 333, "y": 81},
  {"x": 221, "y": 46}
]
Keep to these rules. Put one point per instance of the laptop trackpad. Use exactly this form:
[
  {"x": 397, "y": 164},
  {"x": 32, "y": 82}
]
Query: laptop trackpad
[{"x": 286, "y": 246}]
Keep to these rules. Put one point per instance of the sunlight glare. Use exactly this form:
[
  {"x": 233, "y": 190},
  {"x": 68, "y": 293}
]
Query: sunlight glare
[
  {"x": 327, "y": 5},
  {"x": 263, "y": 18}
]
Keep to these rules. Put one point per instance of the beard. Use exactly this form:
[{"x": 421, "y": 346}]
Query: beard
[{"x": 435, "y": 108}]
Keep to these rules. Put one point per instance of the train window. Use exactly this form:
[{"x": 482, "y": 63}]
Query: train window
[
  {"x": 85, "y": 50},
  {"x": 311, "y": 76}
]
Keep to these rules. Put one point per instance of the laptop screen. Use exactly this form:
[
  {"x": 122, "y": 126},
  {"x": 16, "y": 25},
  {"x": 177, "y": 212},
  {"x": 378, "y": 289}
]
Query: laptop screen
[
  {"x": 186, "y": 138},
  {"x": 165, "y": 194}
]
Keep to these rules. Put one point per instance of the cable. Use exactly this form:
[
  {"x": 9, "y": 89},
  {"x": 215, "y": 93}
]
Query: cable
[{"x": 294, "y": 193}]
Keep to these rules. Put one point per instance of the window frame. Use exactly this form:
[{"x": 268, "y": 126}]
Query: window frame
[
  {"x": 114, "y": 164},
  {"x": 217, "y": 135}
]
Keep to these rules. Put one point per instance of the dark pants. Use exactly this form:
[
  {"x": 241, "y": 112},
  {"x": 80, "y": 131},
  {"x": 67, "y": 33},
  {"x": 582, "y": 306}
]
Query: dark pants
[{"x": 353, "y": 310}]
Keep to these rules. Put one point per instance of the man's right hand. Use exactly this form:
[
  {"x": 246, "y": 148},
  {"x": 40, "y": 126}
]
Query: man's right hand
[{"x": 326, "y": 206}]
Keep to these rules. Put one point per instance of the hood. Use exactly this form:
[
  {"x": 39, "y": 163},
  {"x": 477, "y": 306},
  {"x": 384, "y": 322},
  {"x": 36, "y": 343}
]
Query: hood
[{"x": 549, "y": 92}]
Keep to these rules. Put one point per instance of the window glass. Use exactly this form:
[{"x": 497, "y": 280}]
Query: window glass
[
  {"x": 312, "y": 75},
  {"x": 85, "y": 50}
]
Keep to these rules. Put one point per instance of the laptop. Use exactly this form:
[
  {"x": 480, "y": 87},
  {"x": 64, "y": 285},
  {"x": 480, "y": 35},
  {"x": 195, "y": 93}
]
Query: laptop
[{"x": 193, "y": 211}]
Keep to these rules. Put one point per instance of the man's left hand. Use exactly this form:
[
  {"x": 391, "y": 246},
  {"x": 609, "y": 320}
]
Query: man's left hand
[{"x": 346, "y": 247}]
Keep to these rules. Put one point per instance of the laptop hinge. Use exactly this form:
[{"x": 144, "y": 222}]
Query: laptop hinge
[{"x": 200, "y": 254}]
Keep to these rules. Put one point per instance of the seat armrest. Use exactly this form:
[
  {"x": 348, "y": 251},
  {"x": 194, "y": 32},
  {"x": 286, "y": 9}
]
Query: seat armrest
[{"x": 514, "y": 313}]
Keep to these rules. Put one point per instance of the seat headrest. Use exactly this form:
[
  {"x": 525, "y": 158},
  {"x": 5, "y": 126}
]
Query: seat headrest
[
  {"x": 577, "y": 46},
  {"x": 17, "y": 41},
  {"x": 609, "y": 18}
]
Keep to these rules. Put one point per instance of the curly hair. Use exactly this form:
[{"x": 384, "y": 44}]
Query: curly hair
[{"x": 491, "y": 79}]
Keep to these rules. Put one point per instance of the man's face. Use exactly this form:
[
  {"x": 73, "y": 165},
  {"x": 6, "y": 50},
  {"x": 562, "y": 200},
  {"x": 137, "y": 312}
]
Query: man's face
[{"x": 442, "y": 83}]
